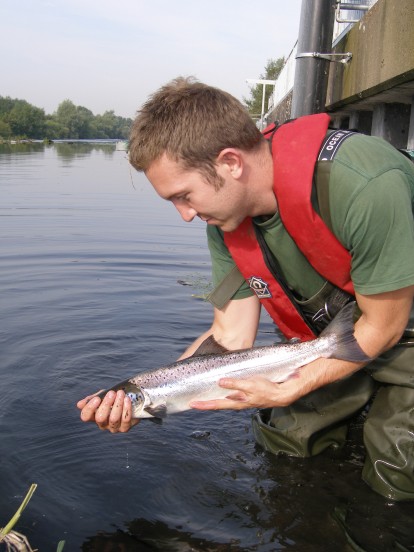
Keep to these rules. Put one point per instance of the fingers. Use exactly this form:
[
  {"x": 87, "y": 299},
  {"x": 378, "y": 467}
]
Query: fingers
[
  {"x": 244, "y": 385},
  {"x": 82, "y": 403},
  {"x": 113, "y": 413},
  {"x": 219, "y": 404},
  {"x": 89, "y": 406},
  {"x": 103, "y": 417},
  {"x": 245, "y": 393},
  {"x": 237, "y": 400}
]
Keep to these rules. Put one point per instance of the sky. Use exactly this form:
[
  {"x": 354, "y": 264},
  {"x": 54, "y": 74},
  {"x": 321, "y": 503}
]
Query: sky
[{"x": 112, "y": 54}]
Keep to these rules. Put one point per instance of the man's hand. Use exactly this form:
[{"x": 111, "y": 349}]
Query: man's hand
[
  {"x": 113, "y": 412},
  {"x": 256, "y": 392}
]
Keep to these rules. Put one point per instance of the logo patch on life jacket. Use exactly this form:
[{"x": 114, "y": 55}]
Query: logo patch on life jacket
[{"x": 260, "y": 287}]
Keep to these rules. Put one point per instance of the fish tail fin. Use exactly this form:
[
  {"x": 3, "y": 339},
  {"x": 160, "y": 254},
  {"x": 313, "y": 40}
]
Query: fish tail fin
[{"x": 342, "y": 327}]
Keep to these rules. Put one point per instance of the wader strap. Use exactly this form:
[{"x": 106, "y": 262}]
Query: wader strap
[
  {"x": 225, "y": 290},
  {"x": 322, "y": 175},
  {"x": 326, "y": 155},
  {"x": 274, "y": 267}
]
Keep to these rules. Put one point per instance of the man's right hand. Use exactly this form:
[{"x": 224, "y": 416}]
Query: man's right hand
[{"x": 113, "y": 412}]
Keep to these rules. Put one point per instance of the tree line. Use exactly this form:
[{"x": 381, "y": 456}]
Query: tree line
[{"x": 19, "y": 119}]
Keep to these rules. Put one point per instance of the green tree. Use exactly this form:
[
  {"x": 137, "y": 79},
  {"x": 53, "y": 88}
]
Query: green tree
[
  {"x": 75, "y": 120},
  {"x": 20, "y": 119},
  {"x": 85, "y": 119},
  {"x": 26, "y": 120},
  {"x": 65, "y": 116},
  {"x": 54, "y": 130},
  {"x": 6, "y": 105},
  {"x": 271, "y": 72},
  {"x": 106, "y": 124},
  {"x": 5, "y": 130},
  {"x": 110, "y": 125}
]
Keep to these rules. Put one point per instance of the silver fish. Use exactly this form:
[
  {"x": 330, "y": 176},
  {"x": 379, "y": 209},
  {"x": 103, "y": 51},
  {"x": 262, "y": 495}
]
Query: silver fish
[{"x": 170, "y": 389}]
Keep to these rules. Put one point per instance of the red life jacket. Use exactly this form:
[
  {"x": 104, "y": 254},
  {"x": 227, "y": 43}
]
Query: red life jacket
[{"x": 295, "y": 148}]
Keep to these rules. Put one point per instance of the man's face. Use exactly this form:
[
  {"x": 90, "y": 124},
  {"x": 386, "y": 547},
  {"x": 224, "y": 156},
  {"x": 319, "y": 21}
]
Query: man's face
[{"x": 193, "y": 196}]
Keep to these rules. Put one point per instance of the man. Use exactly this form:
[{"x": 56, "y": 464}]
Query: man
[{"x": 261, "y": 199}]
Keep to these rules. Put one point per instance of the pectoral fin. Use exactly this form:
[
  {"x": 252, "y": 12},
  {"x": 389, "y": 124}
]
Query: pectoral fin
[{"x": 159, "y": 411}]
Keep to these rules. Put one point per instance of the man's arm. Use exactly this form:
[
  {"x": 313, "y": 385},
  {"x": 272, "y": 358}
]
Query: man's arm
[
  {"x": 383, "y": 320},
  {"x": 234, "y": 327}
]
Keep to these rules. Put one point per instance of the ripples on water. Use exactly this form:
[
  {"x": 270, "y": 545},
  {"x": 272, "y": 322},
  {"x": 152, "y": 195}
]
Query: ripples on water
[{"x": 90, "y": 260}]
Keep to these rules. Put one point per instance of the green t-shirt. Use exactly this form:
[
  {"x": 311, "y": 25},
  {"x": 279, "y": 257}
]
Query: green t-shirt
[{"x": 371, "y": 198}]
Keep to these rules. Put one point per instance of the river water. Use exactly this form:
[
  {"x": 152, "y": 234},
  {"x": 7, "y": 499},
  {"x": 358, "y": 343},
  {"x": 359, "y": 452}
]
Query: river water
[{"x": 101, "y": 279}]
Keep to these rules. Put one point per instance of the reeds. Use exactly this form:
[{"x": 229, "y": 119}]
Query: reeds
[{"x": 14, "y": 541}]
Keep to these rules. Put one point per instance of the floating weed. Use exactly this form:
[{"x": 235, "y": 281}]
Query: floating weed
[
  {"x": 200, "y": 283},
  {"x": 14, "y": 541}
]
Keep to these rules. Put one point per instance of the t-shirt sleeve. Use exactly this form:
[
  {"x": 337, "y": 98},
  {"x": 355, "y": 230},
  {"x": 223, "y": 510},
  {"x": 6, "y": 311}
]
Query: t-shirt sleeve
[{"x": 376, "y": 226}]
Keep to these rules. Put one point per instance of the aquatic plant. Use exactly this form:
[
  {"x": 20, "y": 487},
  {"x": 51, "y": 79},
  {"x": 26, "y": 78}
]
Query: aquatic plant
[{"x": 14, "y": 541}]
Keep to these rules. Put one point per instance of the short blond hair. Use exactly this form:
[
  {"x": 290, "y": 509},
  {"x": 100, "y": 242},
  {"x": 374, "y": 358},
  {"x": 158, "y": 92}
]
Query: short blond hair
[{"x": 192, "y": 123}]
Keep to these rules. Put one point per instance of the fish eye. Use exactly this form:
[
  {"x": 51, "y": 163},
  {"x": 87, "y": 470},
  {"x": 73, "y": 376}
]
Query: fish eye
[{"x": 136, "y": 398}]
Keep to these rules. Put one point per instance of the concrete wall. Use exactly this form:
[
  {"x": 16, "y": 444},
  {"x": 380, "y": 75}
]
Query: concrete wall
[{"x": 377, "y": 86}]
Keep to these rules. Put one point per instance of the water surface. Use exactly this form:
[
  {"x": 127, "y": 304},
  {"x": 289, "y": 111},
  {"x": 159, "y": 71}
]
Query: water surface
[{"x": 92, "y": 271}]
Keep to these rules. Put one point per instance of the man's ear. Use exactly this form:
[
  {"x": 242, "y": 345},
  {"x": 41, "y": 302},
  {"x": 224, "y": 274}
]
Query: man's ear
[{"x": 231, "y": 160}]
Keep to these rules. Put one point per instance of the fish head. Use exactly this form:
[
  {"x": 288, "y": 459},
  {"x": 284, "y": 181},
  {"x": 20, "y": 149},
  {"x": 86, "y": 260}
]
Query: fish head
[{"x": 139, "y": 398}]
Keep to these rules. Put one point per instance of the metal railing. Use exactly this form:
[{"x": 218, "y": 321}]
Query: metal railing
[
  {"x": 284, "y": 83},
  {"x": 354, "y": 9}
]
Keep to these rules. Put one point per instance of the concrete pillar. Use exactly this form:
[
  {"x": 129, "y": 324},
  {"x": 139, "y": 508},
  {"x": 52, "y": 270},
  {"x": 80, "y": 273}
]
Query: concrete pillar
[
  {"x": 344, "y": 123},
  {"x": 410, "y": 141},
  {"x": 361, "y": 121},
  {"x": 391, "y": 122},
  {"x": 354, "y": 120},
  {"x": 335, "y": 121}
]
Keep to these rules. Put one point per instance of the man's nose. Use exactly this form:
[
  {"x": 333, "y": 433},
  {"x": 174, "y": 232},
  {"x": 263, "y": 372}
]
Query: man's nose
[{"x": 187, "y": 213}]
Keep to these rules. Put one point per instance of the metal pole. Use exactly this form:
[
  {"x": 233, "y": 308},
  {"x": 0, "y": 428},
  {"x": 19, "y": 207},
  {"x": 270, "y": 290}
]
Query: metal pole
[
  {"x": 263, "y": 104},
  {"x": 311, "y": 73},
  {"x": 263, "y": 82}
]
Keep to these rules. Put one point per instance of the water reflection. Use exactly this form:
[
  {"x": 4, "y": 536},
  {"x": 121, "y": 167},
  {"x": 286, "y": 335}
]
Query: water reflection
[
  {"x": 71, "y": 151},
  {"x": 148, "y": 536},
  {"x": 64, "y": 149}
]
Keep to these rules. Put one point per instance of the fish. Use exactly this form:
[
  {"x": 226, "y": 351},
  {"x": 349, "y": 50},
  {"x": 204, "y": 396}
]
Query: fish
[{"x": 169, "y": 389}]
